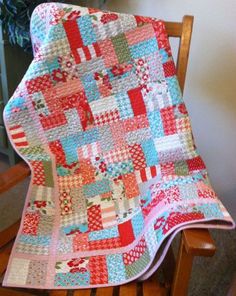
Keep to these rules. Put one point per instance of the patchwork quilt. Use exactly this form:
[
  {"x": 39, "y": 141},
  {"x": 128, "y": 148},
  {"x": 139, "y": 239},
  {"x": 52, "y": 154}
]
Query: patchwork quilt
[{"x": 99, "y": 118}]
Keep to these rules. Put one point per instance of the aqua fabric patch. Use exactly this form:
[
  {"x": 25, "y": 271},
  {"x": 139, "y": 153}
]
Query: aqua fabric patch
[
  {"x": 71, "y": 143},
  {"x": 150, "y": 152},
  {"x": 155, "y": 123},
  {"x": 81, "y": 227},
  {"x": 41, "y": 240},
  {"x": 72, "y": 279},
  {"x": 116, "y": 270},
  {"x": 137, "y": 223},
  {"x": 38, "y": 28},
  {"x": 90, "y": 87},
  {"x": 53, "y": 65},
  {"x": 104, "y": 234},
  {"x": 86, "y": 30},
  {"x": 174, "y": 89},
  {"x": 210, "y": 210},
  {"x": 144, "y": 48},
  {"x": 120, "y": 168},
  {"x": 56, "y": 32},
  {"x": 99, "y": 187},
  {"x": 16, "y": 105},
  {"x": 164, "y": 55},
  {"x": 124, "y": 105}
]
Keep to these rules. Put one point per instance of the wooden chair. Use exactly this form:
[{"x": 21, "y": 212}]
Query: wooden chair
[{"x": 194, "y": 242}]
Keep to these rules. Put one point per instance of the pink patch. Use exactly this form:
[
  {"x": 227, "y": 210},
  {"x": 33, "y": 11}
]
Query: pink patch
[{"x": 80, "y": 242}]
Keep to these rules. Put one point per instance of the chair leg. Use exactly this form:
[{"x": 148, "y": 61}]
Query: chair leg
[{"x": 182, "y": 271}]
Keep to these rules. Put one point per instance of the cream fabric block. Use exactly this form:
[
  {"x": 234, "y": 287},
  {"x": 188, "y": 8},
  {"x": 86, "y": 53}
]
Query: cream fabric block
[{"x": 18, "y": 271}]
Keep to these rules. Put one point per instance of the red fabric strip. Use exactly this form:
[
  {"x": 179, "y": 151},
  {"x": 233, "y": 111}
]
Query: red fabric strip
[
  {"x": 73, "y": 34},
  {"x": 136, "y": 100}
]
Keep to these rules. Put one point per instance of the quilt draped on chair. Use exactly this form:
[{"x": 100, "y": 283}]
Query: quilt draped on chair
[{"x": 99, "y": 118}]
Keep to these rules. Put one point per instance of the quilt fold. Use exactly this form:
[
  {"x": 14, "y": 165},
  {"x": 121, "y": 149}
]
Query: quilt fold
[{"x": 115, "y": 174}]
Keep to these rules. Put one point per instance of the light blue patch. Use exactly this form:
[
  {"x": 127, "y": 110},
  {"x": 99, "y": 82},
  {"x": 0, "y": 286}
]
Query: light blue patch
[
  {"x": 16, "y": 103},
  {"x": 89, "y": 136},
  {"x": 106, "y": 138},
  {"x": 81, "y": 227},
  {"x": 99, "y": 187},
  {"x": 174, "y": 89},
  {"x": 72, "y": 279},
  {"x": 38, "y": 28},
  {"x": 124, "y": 105},
  {"x": 155, "y": 123},
  {"x": 116, "y": 269},
  {"x": 210, "y": 210},
  {"x": 120, "y": 168},
  {"x": 164, "y": 55},
  {"x": 146, "y": 199},
  {"x": 144, "y": 48},
  {"x": 61, "y": 171},
  {"x": 150, "y": 152},
  {"x": 53, "y": 65},
  {"x": 137, "y": 223},
  {"x": 41, "y": 240},
  {"x": 104, "y": 234},
  {"x": 183, "y": 180},
  {"x": 56, "y": 32},
  {"x": 188, "y": 191},
  {"x": 36, "y": 69},
  {"x": 86, "y": 30},
  {"x": 90, "y": 87},
  {"x": 71, "y": 143}
]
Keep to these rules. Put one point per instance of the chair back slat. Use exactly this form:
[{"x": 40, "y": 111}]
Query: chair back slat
[{"x": 183, "y": 31}]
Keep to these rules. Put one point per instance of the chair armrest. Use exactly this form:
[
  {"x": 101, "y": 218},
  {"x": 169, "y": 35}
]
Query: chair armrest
[
  {"x": 198, "y": 242},
  {"x": 13, "y": 176}
]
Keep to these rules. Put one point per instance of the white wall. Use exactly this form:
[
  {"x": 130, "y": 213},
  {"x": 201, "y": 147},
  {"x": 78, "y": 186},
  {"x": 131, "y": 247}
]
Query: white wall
[{"x": 210, "y": 91}]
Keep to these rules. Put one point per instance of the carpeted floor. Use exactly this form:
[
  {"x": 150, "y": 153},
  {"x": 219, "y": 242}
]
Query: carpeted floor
[{"x": 210, "y": 276}]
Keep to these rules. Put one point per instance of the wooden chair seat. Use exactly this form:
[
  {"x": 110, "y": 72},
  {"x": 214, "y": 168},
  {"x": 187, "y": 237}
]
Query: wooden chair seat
[{"x": 194, "y": 242}]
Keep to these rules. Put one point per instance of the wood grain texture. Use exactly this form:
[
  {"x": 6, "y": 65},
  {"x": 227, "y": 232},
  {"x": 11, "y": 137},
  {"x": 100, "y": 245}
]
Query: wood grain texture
[
  {"x": 128, "y": 289},
  {"x": 10, "y": 292},
  {"x": 199, "y": 242},
  {"x": 182, "y": 271},
  {"x": 58, "y": 293},
  {"x": 152, "y": 287},
  {"x": 184, "y": 48},
  {"x": 13, "y": 176},
  {"x": 82, "y": 292},
  {"x": 4, "y": 257},
  {"x": 9, "y": 234},
  {"x": 104, "y": 291},
  {"x": 173, "y": 29}
]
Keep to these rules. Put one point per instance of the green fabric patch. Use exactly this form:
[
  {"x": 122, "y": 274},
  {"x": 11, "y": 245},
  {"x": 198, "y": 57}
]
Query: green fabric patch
[
  {"x": 35, "y": 153},
  {"x": 47, "y": 165},
  {"x": 181, "y": 168},
  {"x": 121, "y": 48},
  {"x": 137, "y": 266}
]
